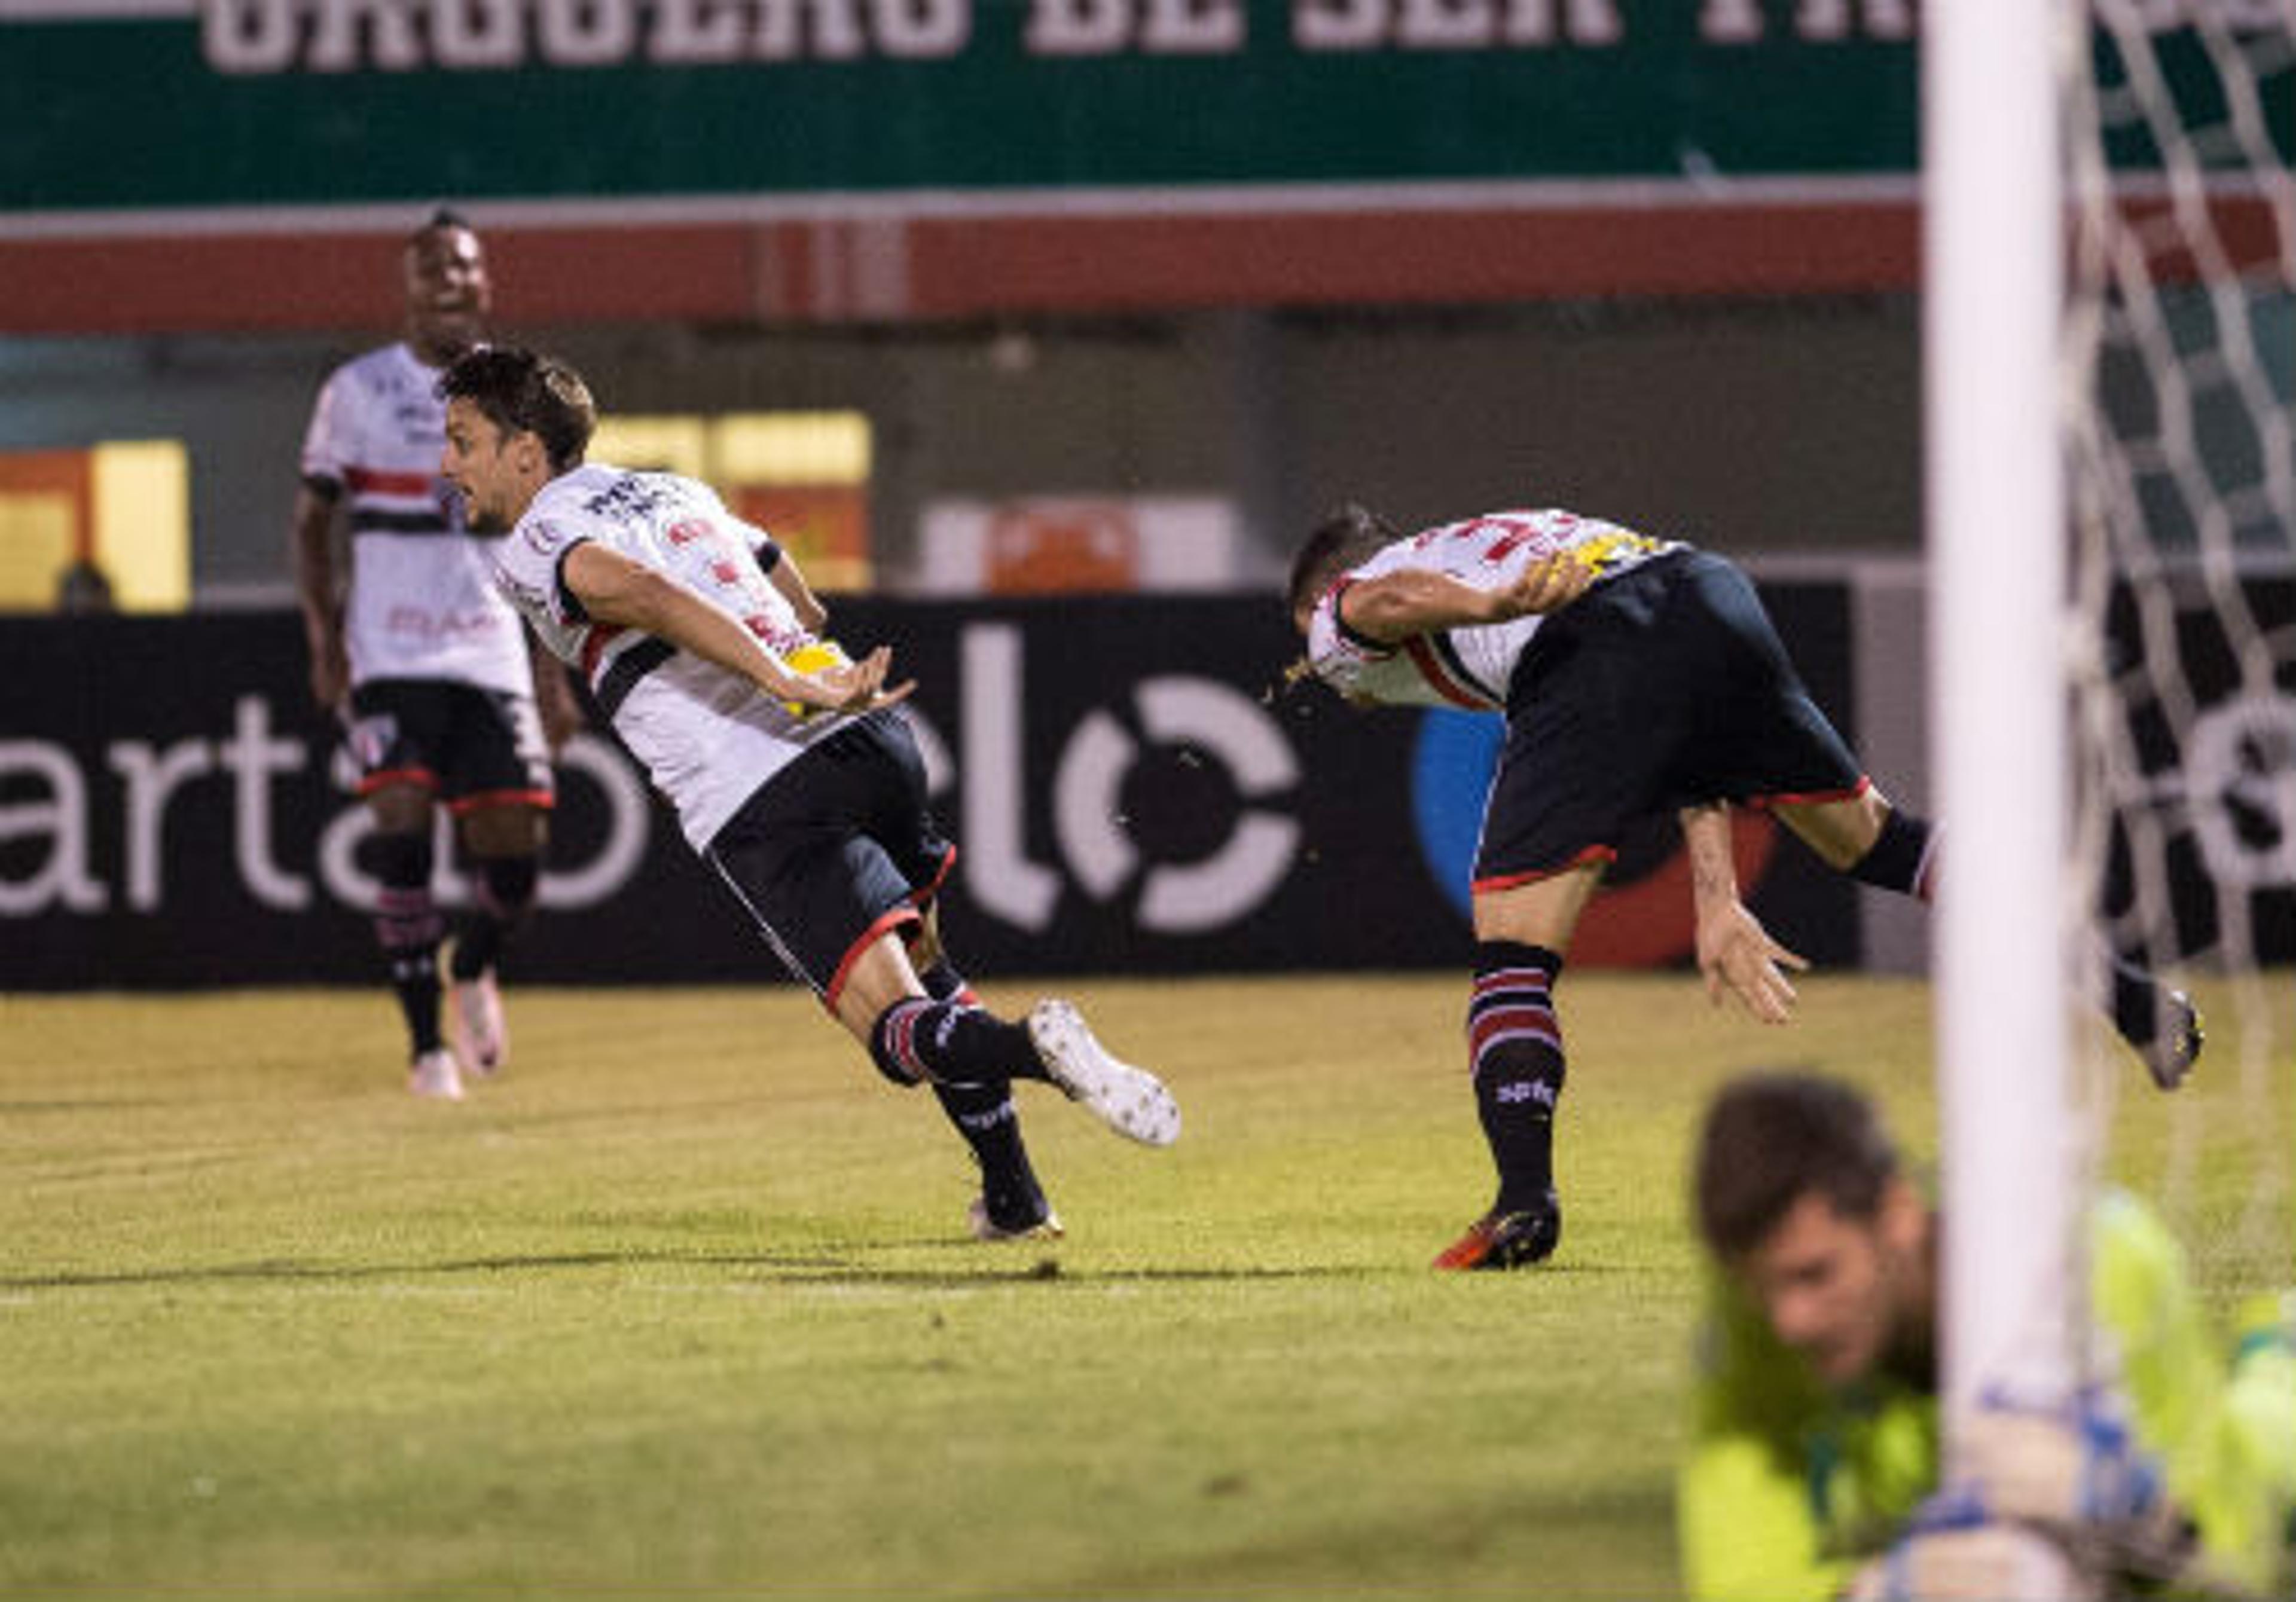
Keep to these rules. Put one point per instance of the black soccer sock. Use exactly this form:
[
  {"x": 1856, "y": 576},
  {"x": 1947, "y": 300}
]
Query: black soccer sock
[
  {"x": 943, "y": 982},
  {"x": 1515, "y": 1046},
  {"x": 504, "y": 891},
  {"x": 408, "y": 928},
  {"x": 919, "y": 1041},
  {"x": 983, "y": 1113},
  {"x": 1903, "y": 857},
  {"x": 2140, "y": 1004}
]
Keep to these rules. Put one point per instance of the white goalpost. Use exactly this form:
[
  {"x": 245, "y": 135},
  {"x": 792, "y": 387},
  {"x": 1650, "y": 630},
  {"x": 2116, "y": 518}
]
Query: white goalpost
[
  {"x": 2110, "y": 407},
  {"x": 1996, "y": 552}
]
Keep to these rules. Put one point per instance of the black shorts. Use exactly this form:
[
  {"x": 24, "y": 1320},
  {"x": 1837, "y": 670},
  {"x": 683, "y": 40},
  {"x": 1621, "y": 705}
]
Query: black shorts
[
  {"x": 1665, "y": 688},
  {"x": 471, "y": 747},
  {"x": 835, "y": 849}
]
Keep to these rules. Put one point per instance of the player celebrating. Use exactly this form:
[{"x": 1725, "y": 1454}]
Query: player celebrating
[
  {"x": 1637, "y": 677},
  {"x": 801, "y": 785},
  {"x": 427, "y": 665}
]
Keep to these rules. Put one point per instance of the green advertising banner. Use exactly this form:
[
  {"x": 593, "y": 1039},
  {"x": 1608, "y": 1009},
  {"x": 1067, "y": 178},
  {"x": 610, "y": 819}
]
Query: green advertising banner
[{"x": 137, "y": 105}]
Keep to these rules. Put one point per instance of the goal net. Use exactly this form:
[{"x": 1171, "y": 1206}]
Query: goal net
[{"x": 2178, "y": 342}]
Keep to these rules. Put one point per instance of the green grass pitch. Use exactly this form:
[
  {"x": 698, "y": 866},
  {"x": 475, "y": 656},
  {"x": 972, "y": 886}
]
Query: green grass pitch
[{"x": 682, "y": 1305}]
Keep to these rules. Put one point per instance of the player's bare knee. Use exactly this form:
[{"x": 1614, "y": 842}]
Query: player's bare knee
[{"x": 1841, "y": 832}]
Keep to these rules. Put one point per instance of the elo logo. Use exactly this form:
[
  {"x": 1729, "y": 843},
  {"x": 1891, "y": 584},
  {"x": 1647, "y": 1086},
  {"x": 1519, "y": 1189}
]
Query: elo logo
[{"x": 1641, "y": 923}]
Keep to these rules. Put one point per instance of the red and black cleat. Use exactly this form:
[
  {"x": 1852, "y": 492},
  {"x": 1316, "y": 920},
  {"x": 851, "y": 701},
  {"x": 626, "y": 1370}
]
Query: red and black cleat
[{"x": 1503, "y": 1240}]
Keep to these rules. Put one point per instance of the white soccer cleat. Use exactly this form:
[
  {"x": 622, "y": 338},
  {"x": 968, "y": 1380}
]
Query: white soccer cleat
[
  {"x": 985, "y": 1227},
  {"x": 434, "y": 1076},
  {"x": 475, "y": 1026},
  {"x": 1131, "y": 1101}
]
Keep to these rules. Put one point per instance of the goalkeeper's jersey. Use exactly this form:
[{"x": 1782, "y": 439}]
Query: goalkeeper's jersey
[
  {"x": 1788, "y": 1487},
  {"x": 1469, "y": 667}
]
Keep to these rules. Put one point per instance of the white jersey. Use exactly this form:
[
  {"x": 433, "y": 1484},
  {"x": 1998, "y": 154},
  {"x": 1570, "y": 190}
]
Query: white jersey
[
  {"x": 1469, "y": 667},
  {"x": 421, "y": 601},
  {"x": 709, "y": 737}
]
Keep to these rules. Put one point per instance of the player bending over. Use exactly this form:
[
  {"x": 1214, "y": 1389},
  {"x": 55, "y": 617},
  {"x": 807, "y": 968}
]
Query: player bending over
[
  {"x": 1637, "y": 677},
  {"x": 804, "y": 789}
]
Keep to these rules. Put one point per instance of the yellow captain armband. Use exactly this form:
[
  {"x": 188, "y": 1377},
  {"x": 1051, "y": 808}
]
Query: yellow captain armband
[
  {"x": 809, "y": 659},
  {"x": 1601, "y": 552}
]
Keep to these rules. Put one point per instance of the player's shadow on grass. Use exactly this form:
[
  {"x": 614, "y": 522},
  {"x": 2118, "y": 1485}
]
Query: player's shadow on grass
[
  {"x": 1050, "y": 1270},
  {"x": 283, "y": 1271}
]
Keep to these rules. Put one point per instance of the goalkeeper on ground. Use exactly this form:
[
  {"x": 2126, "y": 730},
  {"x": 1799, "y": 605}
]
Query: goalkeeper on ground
[{"x": 1815, "y": 1437}]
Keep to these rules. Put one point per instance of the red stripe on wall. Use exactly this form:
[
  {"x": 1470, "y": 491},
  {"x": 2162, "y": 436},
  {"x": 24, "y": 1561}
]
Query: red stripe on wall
[
  {"x": 896, "y": 268},
  {"x": 832, "y": 269}
]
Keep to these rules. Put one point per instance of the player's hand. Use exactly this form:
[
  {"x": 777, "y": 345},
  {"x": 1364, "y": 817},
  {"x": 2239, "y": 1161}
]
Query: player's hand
[
  {"x": 1738, "y": 957},
  {"x": 853, "y": 686},
  {"x": 1548, "y": 584}
]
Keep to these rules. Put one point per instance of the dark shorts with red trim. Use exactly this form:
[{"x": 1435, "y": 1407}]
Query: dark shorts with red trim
[
  {"x": 471, "y": 747},
  {"x": 1664, "y": 688},
  {"x": 835, "y": 849}
]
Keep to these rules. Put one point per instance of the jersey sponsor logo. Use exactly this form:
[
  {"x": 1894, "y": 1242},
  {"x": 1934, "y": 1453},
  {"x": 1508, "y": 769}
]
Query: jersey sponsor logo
[
  {"x": 632, "y": 498},
  {"x": 422, "y": 622}
]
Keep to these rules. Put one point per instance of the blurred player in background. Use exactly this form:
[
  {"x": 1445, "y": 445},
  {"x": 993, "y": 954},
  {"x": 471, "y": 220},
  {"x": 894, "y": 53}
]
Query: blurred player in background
[
  {"x": 426, "y": 664},
  {"x": 1637, "y": 676},
  {"x": 1815, "y": 1437},
  {"x": 792, "y": 770}
]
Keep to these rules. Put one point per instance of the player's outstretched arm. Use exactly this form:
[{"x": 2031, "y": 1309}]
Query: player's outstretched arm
[
  {"x": 1735, "y": 954},
  {"x": 613, "y": 589}
]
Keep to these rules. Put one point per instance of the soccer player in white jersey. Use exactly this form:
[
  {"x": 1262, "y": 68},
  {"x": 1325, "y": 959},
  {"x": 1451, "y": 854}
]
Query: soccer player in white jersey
[
  {"x": 426, "y": 664},
  {"x": 793, "y": 771},
  {"x": 1637, "y": 676}
]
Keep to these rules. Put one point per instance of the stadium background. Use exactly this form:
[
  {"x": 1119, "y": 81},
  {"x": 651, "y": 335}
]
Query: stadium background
[
  {"x": 681, "y": 1305},
  {"x": 1353, "y": 271},
  {"x": 1653, "y": 262}
]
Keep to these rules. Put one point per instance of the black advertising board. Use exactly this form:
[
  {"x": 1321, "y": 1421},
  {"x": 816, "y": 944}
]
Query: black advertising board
[{"x": 1131, "y": 792}]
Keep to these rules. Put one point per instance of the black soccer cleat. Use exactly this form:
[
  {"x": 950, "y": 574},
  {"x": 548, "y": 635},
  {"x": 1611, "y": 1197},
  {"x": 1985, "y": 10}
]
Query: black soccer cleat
[
  {"x": 2175, "y": 1043},
  {"x": 985, "y": 1224},
  {"x": 2162, "y": 1026},
  {"x": 1504, "y": 1240}
]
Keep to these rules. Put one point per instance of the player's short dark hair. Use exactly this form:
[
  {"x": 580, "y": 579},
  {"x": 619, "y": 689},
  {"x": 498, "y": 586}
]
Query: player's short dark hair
[
  {"x": 1773, "y": 1138},
  {"x": 442, "y": 219},
  {"x": 1347, "y": 535},
  {"x": 521, "y": 392}
]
